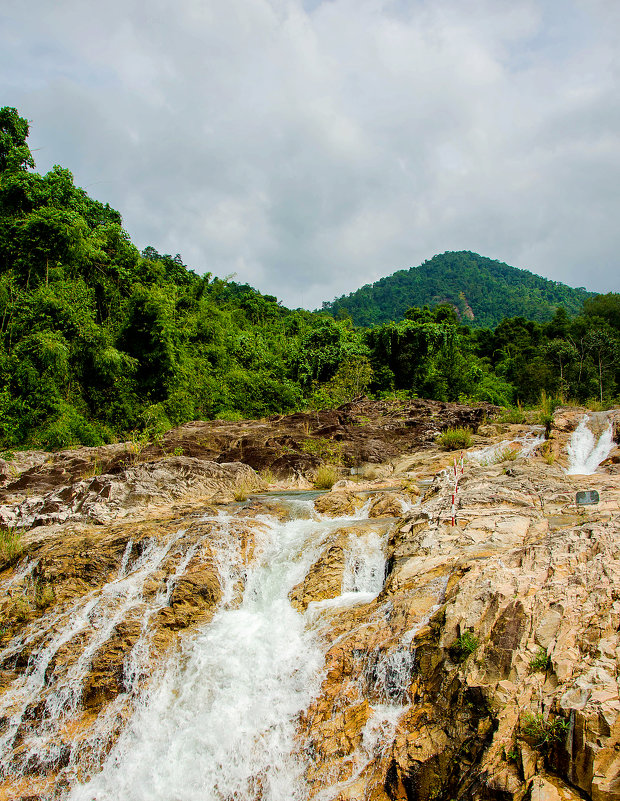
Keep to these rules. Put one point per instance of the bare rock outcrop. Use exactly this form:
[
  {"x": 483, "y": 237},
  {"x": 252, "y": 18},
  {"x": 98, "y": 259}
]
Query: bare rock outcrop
[
  {"x": 488, "y": 666},
  {"x": 144, "y": 489}
]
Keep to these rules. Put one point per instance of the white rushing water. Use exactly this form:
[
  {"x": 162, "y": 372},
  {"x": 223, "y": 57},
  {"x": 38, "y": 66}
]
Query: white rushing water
[
  {"x": 525, "y": 446},
  {"x": 585, "y": 451},
  {"x": 219, "y": 721}
]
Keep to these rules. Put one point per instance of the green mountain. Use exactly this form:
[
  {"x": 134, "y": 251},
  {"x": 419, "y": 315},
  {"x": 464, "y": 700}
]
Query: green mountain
[{"x": 483, "y": 291}]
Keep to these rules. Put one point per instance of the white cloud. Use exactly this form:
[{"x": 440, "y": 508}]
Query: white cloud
[{"x": 311, "y": 147}]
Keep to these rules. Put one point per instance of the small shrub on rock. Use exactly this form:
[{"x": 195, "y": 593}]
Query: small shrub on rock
[
  {"x": 325, "y": 477},
  {"x": 543, "y": 732},
  {"x": 454, "y": 439},
  {"x": 541, "y": 662}
]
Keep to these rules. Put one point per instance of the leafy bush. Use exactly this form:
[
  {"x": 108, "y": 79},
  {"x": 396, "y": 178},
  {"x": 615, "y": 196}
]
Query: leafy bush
[
  {"x": 70, "y": 429},
  {"x": 514, "y": 415},
  {"x": 465, "y": 645},
  {"x": 455, "y": 439},
  {"x": 326, "y": 477},
  {"x": 543, "y": 733}
]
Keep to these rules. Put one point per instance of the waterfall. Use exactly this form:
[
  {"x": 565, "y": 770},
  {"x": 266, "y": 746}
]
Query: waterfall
[
  {"x": 219, "y": 721},
  {"x": 585, "y": 452},
  {"x": 218, "y": 718},
  {"x": 498, "y": 452}
]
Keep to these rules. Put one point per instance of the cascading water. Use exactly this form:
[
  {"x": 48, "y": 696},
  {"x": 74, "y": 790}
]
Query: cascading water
[
  {"x": 527, "y": 444},
  {"x": 219, "y": 720},
  {"x": 45, "y": 701},
  {"x": 585, "y": 451}
]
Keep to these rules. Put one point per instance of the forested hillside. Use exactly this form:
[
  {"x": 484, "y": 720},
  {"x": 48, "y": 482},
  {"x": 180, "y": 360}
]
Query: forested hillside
[
  {"x": 483, "y": 292},
  {"x": 99, "y": 341}
]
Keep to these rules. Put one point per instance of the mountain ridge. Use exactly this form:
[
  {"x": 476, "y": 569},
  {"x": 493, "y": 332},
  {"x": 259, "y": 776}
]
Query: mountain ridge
[{"x": 483, "y": 291}]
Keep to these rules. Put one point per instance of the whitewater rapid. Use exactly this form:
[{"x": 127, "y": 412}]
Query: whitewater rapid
[
  {"x": 585, "y": 451},
  {"x": 219, "y": 721}
]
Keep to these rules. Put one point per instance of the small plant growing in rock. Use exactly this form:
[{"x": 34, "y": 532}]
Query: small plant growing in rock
[
  {"x": 464, "y": 645},
  {"x": 454, "y": 439},
  {"x": 95, "y": 469},
  {"x": 513, "y": 415},
  {"x": 323, "y": 448},
  {"x": 500, "y": 455},
  {"x": 548, "y": 455},
  {"x": 543, "y": 733},
  {"x": 40, "y": 592},
  {"x": 267, "y": 476},
  {"x": 325, "y": 477},
  {"x": 177, "y": 452},
  {"x": 513, "y": 754},
  {"x": 243, "y": 488},
  {"x": 10, "y": 544},
  {"x": 541, "y": 662}
]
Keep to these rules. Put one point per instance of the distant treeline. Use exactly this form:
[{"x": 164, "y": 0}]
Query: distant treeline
[{"x": 99, "y": 341}]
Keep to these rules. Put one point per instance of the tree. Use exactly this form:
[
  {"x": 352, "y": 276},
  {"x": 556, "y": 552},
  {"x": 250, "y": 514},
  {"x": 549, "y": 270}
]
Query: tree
[
  {"x": 561, "y": 352},
  {"x": 603, "y": 347},
  {"x": 606, "y": 307},
  {"x": 14, "y": 152}
]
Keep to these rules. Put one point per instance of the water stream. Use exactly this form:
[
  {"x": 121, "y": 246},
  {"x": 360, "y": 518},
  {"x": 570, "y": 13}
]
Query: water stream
[
  {"x": 585, "y": 450},
  {"x": 217, "y": 720},
  {"x": 524, "y": 445}
]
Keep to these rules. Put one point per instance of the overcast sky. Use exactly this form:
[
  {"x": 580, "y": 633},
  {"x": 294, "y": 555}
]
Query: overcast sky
[{"x": 313, "y": 146}]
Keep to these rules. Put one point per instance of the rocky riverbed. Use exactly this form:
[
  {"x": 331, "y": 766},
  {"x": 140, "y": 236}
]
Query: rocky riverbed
[{"x": 463, "y": 645}]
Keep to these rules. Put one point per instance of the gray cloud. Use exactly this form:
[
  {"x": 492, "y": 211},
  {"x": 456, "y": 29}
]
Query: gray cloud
[{"x": 311, "y": 147}]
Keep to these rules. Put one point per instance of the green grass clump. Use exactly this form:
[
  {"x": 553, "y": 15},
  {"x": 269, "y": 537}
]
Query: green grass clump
[
  {"x": 10, "y": 544},
  {"x": 323, "y": 448},
  {"x": 454, "y": 439},
  {"x": 514, "y": 415},
  {"x": 465, "y": 645},
  {"x": 245, "y": 486},
  {"x": 326, "y": 477},
  {"x": 541, "y": 662}
]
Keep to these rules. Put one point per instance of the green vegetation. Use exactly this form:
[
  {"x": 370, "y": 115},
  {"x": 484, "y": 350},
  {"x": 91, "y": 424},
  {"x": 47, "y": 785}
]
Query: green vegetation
[
  {"x": 326, "y": 477},
  {"x": 10, "y": 544},
  {"x": 513, "y": 415},
  {"x": 541, "y": 662},
  {"x": 99, "y": 342},
  {"x": 454, "y": 439},
  {"x": 323, "y": 448},
  {"x": 464, "y": 645},
  {"x": 543, "y": 732},
  {"x": 483, "y": 292}
]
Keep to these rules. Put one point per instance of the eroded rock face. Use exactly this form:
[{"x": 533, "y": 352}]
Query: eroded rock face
[
  {"x": 138, "y": 491},
  {"x": 290, "y": 446},
  {"x": 487, "y": 667}
]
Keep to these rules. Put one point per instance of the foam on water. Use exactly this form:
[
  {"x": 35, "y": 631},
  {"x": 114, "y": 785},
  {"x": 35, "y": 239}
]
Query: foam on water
[
  {"x": 493, "y": 453},
  {"x": 585, "y": 452},
  {"x": 220, "y": 721}
]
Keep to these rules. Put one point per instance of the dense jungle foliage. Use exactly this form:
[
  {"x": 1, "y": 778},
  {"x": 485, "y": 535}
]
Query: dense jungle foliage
[
  {"x": 483, "y": 291},
  {"x": 99, "y": 341}
]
